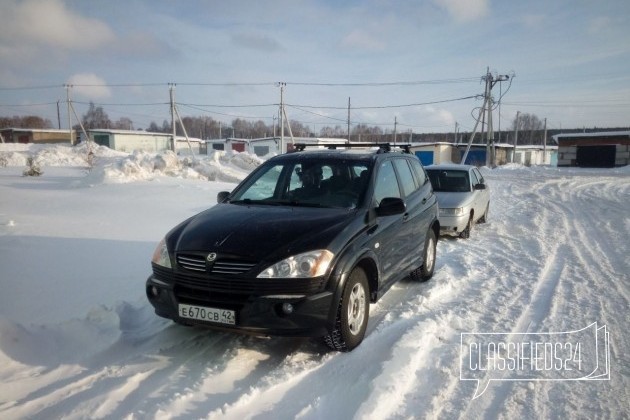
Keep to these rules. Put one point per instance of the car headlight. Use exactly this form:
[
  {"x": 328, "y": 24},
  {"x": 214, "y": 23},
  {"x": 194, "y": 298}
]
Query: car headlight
[
  {"x": 306, "y": 265},
  {"x": 452, "y": 212},
  {"x": 160, "y": 255}
]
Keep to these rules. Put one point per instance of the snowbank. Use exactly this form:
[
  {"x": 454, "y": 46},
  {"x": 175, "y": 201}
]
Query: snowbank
[
  {"x": 78, "y": 338},
  {"x": 110, "y": 166}
]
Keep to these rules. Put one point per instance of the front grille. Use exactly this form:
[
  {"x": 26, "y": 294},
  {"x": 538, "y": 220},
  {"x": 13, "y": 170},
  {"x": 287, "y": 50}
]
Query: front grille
[
  {"x": 197, "y": 262},
  {"x": 231, "y": 267},
  {"x": 192, "y": 262},
  {"x": 233, "y": 284}
]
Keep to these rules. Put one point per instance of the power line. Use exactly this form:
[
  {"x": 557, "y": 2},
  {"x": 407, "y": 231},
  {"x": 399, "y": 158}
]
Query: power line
[
  {"x": 237, "y": 84},
  {"x": 388, "y": 106},
  {"x": 400, "y": 83}
]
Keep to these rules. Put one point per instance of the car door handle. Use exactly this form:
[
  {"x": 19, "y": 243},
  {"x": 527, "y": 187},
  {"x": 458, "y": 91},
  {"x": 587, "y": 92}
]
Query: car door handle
[{"x": 424, "y": 200}]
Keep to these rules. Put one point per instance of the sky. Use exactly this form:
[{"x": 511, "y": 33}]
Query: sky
[{"x": 413, "y": 66}]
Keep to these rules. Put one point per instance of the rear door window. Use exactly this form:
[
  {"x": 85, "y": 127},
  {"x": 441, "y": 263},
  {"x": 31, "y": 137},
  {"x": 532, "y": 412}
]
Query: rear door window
[{"x": 407, "y": 179}]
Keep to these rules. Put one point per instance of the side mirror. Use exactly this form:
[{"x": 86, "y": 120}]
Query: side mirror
[
  {"x": 222, "y": 196},
  {"x": 390, "y": 206},
  {"x": 480, "y": 186}
]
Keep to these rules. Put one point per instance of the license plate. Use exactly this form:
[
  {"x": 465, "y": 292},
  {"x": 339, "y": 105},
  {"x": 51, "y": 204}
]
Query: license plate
[{"x": 201, "y": 313}]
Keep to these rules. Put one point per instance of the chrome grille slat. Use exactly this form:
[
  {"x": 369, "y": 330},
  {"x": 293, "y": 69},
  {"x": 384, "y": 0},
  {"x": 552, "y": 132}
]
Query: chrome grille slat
[
  {"x": 192, "y": 262},
  {"x": 197, "y": 262},
  {"x": 228, "y": 267}
]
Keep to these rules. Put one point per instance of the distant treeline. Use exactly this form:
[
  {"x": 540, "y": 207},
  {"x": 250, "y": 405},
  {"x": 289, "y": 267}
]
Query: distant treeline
[{"x": 204, "y": 127}]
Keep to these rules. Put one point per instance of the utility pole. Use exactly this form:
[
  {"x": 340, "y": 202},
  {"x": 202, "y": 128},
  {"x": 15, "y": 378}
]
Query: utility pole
[
  {"x": 348, "y": 119},
  {"x": 486, "y": 109},
  {"x": 395, "y": 126},
  {"x": 282, "y": 85},
  {"x": 490, "y": 131},
  {"x": 69, "y": 117},
  {"x": 455, "y": 137},
  {"x": 171, "y": 87},
  {"x": 59, "y": 119},
  {"x": 545, "y": 143},
  {"x": 518, "y": 113}
]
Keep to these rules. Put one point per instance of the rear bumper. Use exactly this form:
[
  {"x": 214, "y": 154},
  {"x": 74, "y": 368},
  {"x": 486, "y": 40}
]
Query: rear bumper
[{"x": 259, "y": 315}]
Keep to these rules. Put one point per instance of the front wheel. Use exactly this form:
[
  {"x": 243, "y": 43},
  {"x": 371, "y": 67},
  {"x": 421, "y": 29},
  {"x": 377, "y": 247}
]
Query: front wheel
[
  {"x": 466, "y": 232},
  {"x": 352, "y": 315},
  {"x": 425, "y": 272},
  {"x": 484, "y": 218}
]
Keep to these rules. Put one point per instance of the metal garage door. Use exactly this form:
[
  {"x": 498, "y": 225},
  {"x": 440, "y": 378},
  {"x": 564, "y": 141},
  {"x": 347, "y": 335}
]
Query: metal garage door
[
  {"x": 596, "y": 156},
  {"x": 425, "y": 157}
]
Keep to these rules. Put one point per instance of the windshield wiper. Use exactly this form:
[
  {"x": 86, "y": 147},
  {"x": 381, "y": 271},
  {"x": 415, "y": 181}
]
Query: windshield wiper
[{"x": 248, "y": 201}]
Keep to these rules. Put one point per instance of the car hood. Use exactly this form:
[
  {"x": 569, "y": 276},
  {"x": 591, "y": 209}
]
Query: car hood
[
  {"x": 451, "y": 200},
  {"x": 259, "y": 232}
]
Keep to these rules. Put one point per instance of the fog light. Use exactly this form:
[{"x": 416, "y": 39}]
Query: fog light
[
  {"x": 287, "y": 308},
  {"x": 155, "y": 292}
]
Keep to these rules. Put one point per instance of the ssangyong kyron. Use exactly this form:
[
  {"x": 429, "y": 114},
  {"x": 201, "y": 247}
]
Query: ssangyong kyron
[{"x": 302, "y": 246}]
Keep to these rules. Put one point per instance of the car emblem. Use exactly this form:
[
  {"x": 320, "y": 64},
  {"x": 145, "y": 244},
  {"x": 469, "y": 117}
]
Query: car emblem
[{"x": 211, "y": 257}]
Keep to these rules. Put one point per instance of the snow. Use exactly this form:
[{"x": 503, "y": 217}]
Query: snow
[{"x": 78, "y": 338}]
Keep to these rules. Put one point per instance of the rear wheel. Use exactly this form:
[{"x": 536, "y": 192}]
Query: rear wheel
[{"x": 352, "y": 315}]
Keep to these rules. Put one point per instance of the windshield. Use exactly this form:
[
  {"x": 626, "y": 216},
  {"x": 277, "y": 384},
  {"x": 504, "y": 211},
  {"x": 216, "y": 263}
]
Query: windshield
[
  {"x": 312, "y": 183},
  {"x": 444, "y": 180}
]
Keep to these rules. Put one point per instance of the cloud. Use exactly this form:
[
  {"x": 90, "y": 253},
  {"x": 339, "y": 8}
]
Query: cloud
[
  {"x": 48, "y": 23},
  {"x": 438, "y": 117},
  {"x": 360, "y": 39},
  {"x": 257, "y": 42},
  {"x": 465, "y": 10},
  {"x": 89, "y": 86}
]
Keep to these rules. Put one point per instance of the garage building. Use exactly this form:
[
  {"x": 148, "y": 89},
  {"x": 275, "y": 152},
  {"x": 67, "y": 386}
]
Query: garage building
[{"x": 594, "y": 150}]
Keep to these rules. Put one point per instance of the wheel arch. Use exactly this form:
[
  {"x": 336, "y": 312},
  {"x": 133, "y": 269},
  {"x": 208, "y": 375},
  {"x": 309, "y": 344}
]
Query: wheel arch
[{"x": 367, "y": 261}]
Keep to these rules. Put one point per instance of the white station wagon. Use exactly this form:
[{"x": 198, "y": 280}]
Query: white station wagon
[{"x": 463, "y": 197}]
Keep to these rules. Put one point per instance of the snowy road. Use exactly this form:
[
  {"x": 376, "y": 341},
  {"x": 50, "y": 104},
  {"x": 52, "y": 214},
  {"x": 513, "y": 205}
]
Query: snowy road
[{"x": 78, "y": 339}]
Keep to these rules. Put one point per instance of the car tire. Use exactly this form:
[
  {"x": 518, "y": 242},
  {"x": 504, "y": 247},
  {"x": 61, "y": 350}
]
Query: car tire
[
  {"x": 425, "y": 272},
  {"x": 465, "y": 234},
  {"x": 484, "y": 218},
  {"x": 352, "y": 315}
]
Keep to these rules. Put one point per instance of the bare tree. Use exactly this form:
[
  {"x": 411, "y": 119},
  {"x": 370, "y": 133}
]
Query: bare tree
[
  {"x": 28, "y": 121},
  {"x": 529, "y": 128},
  {"x": 365, "y": 133},
  {"x": 336, "y": 132},
  {"x": 96, "y": 117},
  {"x": 123, "y": 123}
]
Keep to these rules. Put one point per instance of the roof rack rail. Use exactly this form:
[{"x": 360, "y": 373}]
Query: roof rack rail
[{"x": 382, "y": 147}]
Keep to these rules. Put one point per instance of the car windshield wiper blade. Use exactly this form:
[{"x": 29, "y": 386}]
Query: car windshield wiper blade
[
  {"x": 305, "y": 204},
  {"x": 248, "y": 201}
]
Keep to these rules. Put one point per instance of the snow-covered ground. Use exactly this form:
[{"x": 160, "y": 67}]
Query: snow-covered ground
[{"x": 78, "y": 338}]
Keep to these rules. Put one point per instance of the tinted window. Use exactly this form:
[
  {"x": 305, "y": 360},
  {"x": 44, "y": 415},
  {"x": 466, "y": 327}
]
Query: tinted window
[
  {"x": 386, "y": 183},
  {"x": 406, "y": 177},
  {"x": 449, "y": 180}
]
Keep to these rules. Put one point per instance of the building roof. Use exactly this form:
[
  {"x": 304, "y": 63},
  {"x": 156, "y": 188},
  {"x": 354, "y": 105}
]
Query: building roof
[
  {"x": 591, "y": 135},
  {"x": 35, "y": 130}
]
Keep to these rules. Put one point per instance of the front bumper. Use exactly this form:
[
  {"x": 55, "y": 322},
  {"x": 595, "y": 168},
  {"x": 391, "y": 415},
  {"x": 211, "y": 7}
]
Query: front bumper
[
  {"x": 255, "y": 314},
  {"x": 453, "y": 225}
]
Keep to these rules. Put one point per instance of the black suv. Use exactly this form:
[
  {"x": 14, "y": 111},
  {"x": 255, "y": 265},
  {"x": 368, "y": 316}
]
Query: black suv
[{"x": 301, "y": 246}]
